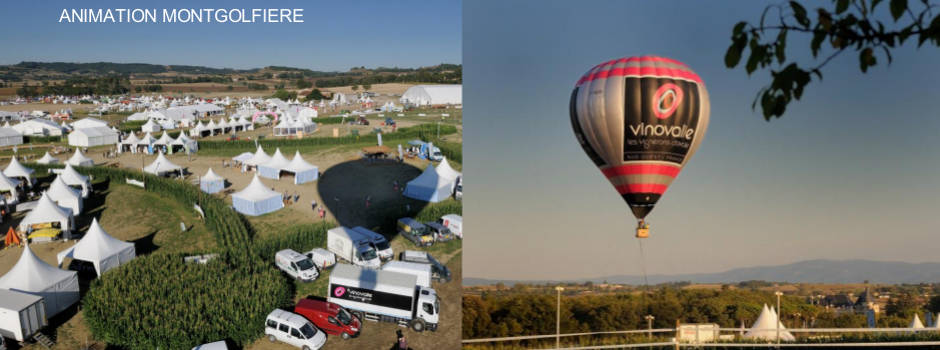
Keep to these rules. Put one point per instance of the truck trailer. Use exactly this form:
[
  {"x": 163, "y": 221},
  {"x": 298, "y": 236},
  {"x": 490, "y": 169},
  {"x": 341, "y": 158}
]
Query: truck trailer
[
  {"x": 384, "y": 296},
  {"x": 352, "y": 246},
  {"x": 21, "y": 315}
]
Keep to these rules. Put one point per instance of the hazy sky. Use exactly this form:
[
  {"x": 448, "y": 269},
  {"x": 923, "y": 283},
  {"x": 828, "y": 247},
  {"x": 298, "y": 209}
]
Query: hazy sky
[
  {"x": 335, "y": 35},
  {"x": 851, "y": 171}
]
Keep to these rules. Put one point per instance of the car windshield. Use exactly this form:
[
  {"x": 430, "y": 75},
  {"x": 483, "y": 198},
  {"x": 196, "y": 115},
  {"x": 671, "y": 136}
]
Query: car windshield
[
  {"x": 369, "y": 254},
  {"x": 344, "y": 316},
  {"x": 382, "y": 245},
  {"x": 304, "y": 264},
  {"x": 308, "y": 331}
]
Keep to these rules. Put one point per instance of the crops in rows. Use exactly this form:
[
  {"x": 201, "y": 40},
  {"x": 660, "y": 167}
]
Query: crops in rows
[{"x": 423, "y": 131}]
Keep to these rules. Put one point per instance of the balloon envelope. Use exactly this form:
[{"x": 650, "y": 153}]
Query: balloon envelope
[{"x": 640, "y": 119}]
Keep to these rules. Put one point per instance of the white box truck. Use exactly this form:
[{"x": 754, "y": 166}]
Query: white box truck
[
  {"x": 352, "y": 246},
  {"x": 453, "y": 222},
  {"x": 382, "y": 247},
  {"x": 21, "y": 315},
  {"x": 384, "y": 296},
  {"x": 421, "y": 271}
]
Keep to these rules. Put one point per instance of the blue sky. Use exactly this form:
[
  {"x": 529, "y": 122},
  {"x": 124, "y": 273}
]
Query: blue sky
[
  {"x": 851, "y": 171},
  {"x": 335, "y": 35}
]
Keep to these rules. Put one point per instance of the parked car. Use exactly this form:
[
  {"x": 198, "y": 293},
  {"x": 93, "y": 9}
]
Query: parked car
[
  {"x": 293, "y": 329},
  {"x": 219, "y": 345},
  {"x": 322, "y": 258},
  {"x": 439, "y": 272},
  {"x": 441, "y": 233},
  {"x": 331, "y": 318},
  {"x": 453, "y": 222},
  {"x": 416, "y": 232},
  {"x": 362, "y": 121},
  {"x": 296, "y": 265}
]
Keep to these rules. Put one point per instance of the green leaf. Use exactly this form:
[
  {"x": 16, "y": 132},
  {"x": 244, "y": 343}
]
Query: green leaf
[
  {"x": 842, "y": 5},
  {"x": 733, "y": 56},
  {"x": 799, "y": 12},
  {"x": 897, "y": 8},
  {"x": 865, "y": 59},
  {"x": 781, "y": 46},
  {"x": 818, "y": 38},
  {"x": 738, "y": 28},
  {"x": 756, "y": 56}
]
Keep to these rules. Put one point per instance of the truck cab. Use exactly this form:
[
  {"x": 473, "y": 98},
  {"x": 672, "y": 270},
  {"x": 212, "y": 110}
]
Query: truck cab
[
  {"x": 381, "y": 245},
  {"x": 416, "y": 232},
  {"x": 296, "y": 265},
  {"x": 439, "y": 272},
  {"x": 293, "y": 329},
  {"x": 428, "y": 309},
  {"x": 366, "y": 256},
  {"x": 329, "y": 317}
]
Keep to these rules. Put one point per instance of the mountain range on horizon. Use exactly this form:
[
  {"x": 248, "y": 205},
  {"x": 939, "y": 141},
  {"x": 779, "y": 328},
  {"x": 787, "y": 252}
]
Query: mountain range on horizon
[{"x": 808, "y": 271}]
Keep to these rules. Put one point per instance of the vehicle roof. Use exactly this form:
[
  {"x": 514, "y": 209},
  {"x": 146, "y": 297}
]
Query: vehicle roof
[
  {"x": 407, "y": 265},
  {"x": 452, "y": 217},
  {"x": 318, "y": 305},
  {"x": 291, "y": 254},
  {"x": 368, "y": 232},
  {"x": 410, "y": 221},
  {"x": 219, "y": 345},
  {"x": 345, "y": 273},
  {"x": 434, "y": 225},
  {"x": 288, "y": 318},
  {"x": 416, "y": 254}
]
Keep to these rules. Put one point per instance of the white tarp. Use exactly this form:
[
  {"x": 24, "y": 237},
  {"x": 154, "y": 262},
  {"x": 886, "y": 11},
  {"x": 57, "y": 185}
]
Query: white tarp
[
  {"x": 59, "y": 288},
  {"x": 101, "y": 249}
]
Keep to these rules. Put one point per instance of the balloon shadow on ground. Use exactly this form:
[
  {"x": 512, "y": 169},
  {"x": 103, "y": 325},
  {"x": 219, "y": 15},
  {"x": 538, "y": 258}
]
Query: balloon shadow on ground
[{"x": 363, "y": 193}]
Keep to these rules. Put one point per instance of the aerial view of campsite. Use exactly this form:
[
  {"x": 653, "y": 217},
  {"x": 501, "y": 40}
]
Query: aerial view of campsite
[{"x": 307, "y": 197}]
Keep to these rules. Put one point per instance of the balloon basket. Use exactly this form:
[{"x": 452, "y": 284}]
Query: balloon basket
[{"x": 642, "y": 230}]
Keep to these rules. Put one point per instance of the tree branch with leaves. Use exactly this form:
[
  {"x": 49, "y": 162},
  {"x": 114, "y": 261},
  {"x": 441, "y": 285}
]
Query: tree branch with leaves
[{"x": 848, "y": 25}]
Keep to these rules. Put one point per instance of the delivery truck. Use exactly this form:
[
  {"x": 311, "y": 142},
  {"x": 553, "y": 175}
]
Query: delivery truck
[
  {"x": 382, "y": 247},
  {"x": 21, "y": 315},
  {"x": 384, "y": 296},
  {"x": 421, "y": 271},
  {"x": 352, "y": 246}
]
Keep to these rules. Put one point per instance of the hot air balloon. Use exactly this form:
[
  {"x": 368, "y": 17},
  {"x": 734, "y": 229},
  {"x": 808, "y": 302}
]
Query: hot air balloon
[{"x": 640, "y": 119}]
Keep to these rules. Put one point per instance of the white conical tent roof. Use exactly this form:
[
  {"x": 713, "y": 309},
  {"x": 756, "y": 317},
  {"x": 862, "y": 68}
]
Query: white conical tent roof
[
  {"x": 182, "y": 139},
  {"x": 430, "y": 186},
  {"x": 100, "y": 248},
  {"x": 47, "y": 159},
  {"x": 47, "y": 211},
  {"x": 79, "y": 159},
  {"x": 259, "y": 158},
  {"x": 9, "y": 184},
  {"x": 65, "y": 196},
  {"x": 277, "y": 161},
  {"x": 147, "y": 140},
  {"x": 445, "y": 171},
  {"x": 59, "y": 288},
  {"x": 15, "y": 169},
  {"x": 161, "y": 165},
  {"x": 149, "y": 125},
  {"x": 72, "y": 177},
  {"x": 130, "y": 140},
  {"x": 211, "y": 176},
  {"x": 765, "y": 327},
  {"x": 298, "y": 164},
  {"x": 916, "y": 323},
  {"x": 164, "y": 139},
  {"x": 256, "y": 191}
]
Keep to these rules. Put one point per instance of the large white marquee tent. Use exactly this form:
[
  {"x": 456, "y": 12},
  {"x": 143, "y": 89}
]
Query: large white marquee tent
[
  {"x": 424, "y": 95},
  {"x": 93, "y": 136},
  {"x": 59, "y": 288},
  {"x": 10, "y": 137},
  {"x": 101, "y": 249}
]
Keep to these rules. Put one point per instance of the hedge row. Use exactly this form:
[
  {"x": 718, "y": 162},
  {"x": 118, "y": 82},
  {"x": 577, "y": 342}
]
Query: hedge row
[{"x": 433, "y": 212}]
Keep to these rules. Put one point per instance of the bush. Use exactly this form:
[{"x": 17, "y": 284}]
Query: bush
[{"x": 41, "y": 139}]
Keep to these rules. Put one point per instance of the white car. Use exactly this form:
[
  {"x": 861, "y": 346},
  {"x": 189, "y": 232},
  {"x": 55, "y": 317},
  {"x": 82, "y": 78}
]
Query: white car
[{"x": 293, "y": 329}]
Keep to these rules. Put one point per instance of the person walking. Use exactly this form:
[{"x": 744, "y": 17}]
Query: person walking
[{"x": 402, "y": 342}]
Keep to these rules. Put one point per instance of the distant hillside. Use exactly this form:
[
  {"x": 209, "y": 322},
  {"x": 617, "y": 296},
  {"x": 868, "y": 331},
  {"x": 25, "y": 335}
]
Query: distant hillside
[{"x": 810, "y": 271}]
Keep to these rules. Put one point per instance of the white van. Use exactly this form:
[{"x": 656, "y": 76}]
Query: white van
[
  {"x": 296, "y": 265},
  {"x": 322, "y": 258},
  {"x": 293, "y": 329},
  {"x": 382, "y": 247},
  {"x": 454, "y": 223}
]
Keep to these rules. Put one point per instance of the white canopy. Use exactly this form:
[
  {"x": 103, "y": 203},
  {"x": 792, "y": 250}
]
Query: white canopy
[
  {"x": 161, "y": 166},
  {"x": 277, "y": 161},
  {"x": 99, "y": 248},
  {"x": 8, "y": 184},
  {"x": 765, "y": 327},
  {"x": 47, "y": 159},
  {"x": 241, "y": 158},
  {"x": 147, "y": 140},
  {"x": 916, "y": 323},
  {"x": 258, "y": 158},
  {"x": 15, "y": 169},
  {"x": 303, "y": 171},
  {"x": 72, "y": 177},
  {"x": 150, "y": 126},
  {"x": 211, "y": 182},
  {"x": 430, "y": 186},
  {"x": 164, "y": 139},
  {"x": 445, "y": 171},
  {"x": 47, "y": 211},
  {"x": 257, "y": 199},
  {"x": 65, "y": 196},
  {"x": 79, "y": 159},
  {"x": 59, "y": 288}
]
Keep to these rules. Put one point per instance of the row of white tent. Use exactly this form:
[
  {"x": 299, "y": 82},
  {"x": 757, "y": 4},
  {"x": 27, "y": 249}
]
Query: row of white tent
[
  {"x": 435, "y": 184},
  {"x": 223, "y": 126},
  {"x": 147, "y": 143},
  {"x": 78, "y": 159},
  {"x": 765, "y": 327}
]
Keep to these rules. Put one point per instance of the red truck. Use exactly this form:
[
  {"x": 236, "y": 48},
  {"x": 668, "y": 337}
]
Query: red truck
[{"x": 330, "y": 318}]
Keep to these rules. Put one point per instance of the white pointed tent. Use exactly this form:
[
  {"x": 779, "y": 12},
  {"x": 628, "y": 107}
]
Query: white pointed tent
[
  {"x": 73, "y": 178},
  {"x": 257, "y": 199},
  {"x": 46, "y": 211},
  {"x": 65, "y": 196},
  {"x": 303, "y": 171},
  {"x": 765, "y": 327},
  {"x": 47, "y": 159},
  {"x": 272, "y": 168},
  {"x": 445, "y": 171},
  {"x": 59, "y": 288},
  {"x": 185, "y": 142},
  {"x": 147, "y": 142},
  {"x": 130, "y": 143},
  {"x": 916, "y": 323},
  {"x": 162, "y": 166},
  {"x": 101, "y": 249},
  {"x": 17, "y": 170},
  {"x": 211, "y": 182},
  {"x": 79, "y": 159},
  {"x": 151, "y": 126},
  {"x": 9, "y": 185},
  {"x": 430, "y": 186},
  {"x": 258, "y": 158}
]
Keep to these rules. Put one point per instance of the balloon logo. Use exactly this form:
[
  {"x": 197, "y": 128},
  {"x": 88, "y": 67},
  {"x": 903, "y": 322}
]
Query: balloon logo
[
  {"x": 640, "y": 120},
  {"x": 666, "y": 99},
  {"x": 339, "y": 291}
]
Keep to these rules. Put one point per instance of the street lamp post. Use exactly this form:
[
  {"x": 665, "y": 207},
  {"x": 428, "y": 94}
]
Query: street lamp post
[
  {"x": 558, "y": 318},
  {"x": 649, "y": 326},
  {"x": 778, "y": 294}
]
